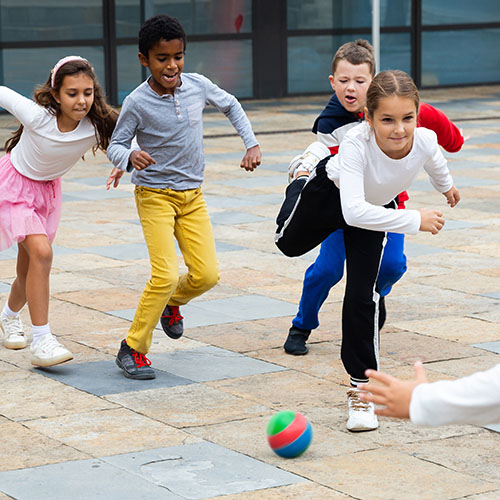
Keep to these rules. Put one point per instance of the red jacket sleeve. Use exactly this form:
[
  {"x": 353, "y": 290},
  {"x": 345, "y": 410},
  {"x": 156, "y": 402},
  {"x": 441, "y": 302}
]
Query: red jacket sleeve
[{"x": 448, "y": 134}]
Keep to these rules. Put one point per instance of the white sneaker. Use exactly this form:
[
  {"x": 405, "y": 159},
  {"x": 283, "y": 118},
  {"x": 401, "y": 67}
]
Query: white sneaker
[
  {"x": 361, "y": 413},
  {"x": 14, "y": 336},
  {"x": 49, "y": 352}
]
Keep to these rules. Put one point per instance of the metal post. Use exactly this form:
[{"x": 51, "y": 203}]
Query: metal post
[{"x": 376, "y": 32}]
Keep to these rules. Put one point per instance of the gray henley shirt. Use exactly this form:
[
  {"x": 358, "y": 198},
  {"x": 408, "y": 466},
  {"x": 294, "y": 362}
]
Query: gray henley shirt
[{"x": 170, "y": 129}]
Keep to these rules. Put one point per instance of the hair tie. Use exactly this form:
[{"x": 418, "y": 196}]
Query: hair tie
[{"x": 60, "y": 63}]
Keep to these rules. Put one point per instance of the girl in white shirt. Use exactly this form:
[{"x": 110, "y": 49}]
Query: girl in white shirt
[
  {"x": 355, "y": 191},
  {"x": 69, "y": 115}
]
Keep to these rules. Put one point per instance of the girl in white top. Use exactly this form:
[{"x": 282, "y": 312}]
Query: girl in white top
[
  {"x": 468, "y": 400},
  {"x": 355, "y": 191},
  {"x": 68, "y": 116}
]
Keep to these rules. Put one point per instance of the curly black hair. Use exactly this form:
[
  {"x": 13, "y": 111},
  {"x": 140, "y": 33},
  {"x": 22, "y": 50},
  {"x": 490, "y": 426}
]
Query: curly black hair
[{"x": 160, "y": 27}]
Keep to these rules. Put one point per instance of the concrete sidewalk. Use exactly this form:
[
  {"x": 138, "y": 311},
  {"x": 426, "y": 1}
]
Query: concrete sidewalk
[{"x": 83, "y": 431}]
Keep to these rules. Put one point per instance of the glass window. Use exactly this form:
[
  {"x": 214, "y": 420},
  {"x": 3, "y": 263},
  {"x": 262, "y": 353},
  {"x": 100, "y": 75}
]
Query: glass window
[
  {"x": 129, "y": 70},
  {"x": 471, "y": 56},
  {"x": 227, "y": 63},
  {"x": 395, "y": 51},
  {"x": 337, "y": 14},
  {"x": 310, "y": 62},
  {"x": 310, "y": 58},
  {"x": 32, "y": 20},
  {"x": 128, "y": 18},
  {"x": 24, "y": 69},
  {"x": 206, "y": 16},
  {"x": 460, "y": 11}
]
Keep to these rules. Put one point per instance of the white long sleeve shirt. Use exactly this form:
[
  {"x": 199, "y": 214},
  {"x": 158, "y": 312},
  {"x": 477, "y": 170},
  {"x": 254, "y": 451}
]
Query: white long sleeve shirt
[
  {"x": 43, "y": 152},
  {"x": 468, "y": 400},
  {"x": 368, "y": 179}
]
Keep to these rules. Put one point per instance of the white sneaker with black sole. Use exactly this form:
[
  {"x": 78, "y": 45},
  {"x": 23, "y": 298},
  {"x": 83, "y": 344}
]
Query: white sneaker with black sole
[
  {"x": 361, "y": 413},
  {"x": 13, "y": 331},
  {"x": 49, "y": 352}
]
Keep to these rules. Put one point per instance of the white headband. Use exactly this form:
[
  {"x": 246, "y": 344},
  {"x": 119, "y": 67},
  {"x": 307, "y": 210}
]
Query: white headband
[{"x": 60, "y": 63}]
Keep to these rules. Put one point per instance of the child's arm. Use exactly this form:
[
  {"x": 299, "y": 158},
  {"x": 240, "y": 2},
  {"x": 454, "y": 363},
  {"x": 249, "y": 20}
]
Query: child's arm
[
  {"x": 25, "y": 110},
  {"x": 468, "y": 400},
  {"x": 356, "y": 210},
  {"x": 121, "y": 150},
  {"x": 230, "y": 106},
  {"x": 448, "y": 134},
  {"x": 393, "y": 394},
  {"x": 437, "y": 169}
]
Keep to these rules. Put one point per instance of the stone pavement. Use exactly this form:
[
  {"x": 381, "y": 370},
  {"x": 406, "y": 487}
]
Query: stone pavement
[{"x": 83, "y": 431}]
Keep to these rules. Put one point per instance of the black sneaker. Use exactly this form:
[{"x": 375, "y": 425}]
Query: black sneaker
[
  {"x": 382, "y": 313},
  {"x": 296, "y": 341},
  {"x": 171, "y": 322},
  {"x": 133, "y": 363}
]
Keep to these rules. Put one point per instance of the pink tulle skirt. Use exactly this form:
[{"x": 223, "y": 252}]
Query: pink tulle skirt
[{"x": 26, "y": 206}]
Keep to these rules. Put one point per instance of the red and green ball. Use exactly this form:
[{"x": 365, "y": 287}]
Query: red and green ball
[{"x": 289, "y": 433}]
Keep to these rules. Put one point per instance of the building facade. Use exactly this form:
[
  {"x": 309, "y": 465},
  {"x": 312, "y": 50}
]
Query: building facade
[{"x": 253, "y": 48}]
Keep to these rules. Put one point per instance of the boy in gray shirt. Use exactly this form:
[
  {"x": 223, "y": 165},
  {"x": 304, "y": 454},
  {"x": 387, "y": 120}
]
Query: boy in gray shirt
[{"x": 164, "y": 113}]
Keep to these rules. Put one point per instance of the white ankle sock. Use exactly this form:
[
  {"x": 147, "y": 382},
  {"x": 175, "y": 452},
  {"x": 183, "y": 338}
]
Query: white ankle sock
[
  {"x": 8, "y": 312},
  {"x": 39, "y": 332}
]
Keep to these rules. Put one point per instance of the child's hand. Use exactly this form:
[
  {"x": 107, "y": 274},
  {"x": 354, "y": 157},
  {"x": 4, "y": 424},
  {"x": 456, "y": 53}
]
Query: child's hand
[
  {"x": 252, "y": 158},
  {"x": 452, "y": 196},
  {"x": 140, "y": 160},
  {"x": 114, "y": 177},
  {"x": 466, "y": 137},
  {"x": 395, "y": 394},
  {"x": 431, "y": 220}
]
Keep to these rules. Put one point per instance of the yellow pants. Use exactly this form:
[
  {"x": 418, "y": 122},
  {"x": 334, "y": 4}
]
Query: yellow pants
[{"x": 165, "y": 214}]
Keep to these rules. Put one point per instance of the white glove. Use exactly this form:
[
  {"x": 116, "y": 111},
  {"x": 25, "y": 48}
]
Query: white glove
[{"x": 307, "y": 161}]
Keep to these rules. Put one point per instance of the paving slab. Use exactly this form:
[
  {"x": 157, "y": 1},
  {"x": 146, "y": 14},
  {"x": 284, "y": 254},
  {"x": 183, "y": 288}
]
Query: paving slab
[
  {"x": 104, "y": 377},
  {"x": 359, "y": 475},
  {"x": 108, "y": 432},
  {"x": 226, "y": 310},
  {"x": 489, "y": 346},
  {"x": 102, "y": 481},
  {"x": 210, "y": 363},
  {"x": 202, "y": 470}
]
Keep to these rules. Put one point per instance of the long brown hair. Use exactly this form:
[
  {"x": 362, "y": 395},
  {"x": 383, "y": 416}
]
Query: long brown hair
[
  {"x": 389, "y": 83},
  {"x": 102, "y": 116}
]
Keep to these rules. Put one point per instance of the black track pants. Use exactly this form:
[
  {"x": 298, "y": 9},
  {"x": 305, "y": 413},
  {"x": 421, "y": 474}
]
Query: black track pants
[{"x": 310, "y": 212}]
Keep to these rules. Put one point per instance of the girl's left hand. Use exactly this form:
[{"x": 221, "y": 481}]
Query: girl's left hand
[
  {"x": 452, "y": 196},
  {"x": 114, "y": 177},
  {"x": 252, "y": 158}
]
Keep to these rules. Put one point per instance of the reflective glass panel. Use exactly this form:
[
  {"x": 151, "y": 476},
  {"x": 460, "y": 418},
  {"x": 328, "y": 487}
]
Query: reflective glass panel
[
  {"x": 320, "y": 14},
  {"x": 460, "y": 11},
  {"x": 470, "y": 56},
  {"x": 129, "y": 70},
  {"x": 310, "y": 58},
  {"x": 206, "y": 16},
  {"x": 227, "y": 63},
  {"x": 23, "y": 69},
  {"x": 395, "y": 51},
  {"x": 128, "y": 18},
  {"x": 33, "y": 20}
]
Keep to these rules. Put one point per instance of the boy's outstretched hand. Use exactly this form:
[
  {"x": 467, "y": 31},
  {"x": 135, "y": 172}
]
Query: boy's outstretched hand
[
  {"x": 452, "y": 196},
  {"x": 114, "y": 177},
  {"x": 252, "y": 158},
  {"x": 395, "y": 394}
]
